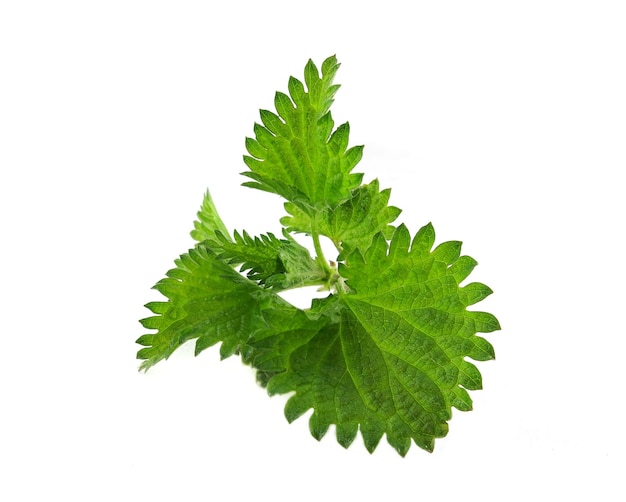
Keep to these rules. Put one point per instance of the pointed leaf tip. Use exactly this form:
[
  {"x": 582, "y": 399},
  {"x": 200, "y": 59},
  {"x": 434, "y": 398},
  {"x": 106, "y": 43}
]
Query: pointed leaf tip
[
  {"x": 423, "y": 240},
  {"x": 317, "y": 426},
  {"x": 346, "y": 433}
]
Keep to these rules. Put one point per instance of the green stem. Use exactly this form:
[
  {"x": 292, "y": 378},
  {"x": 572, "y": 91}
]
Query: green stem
[
  {"x": 332, "y": 280},
  {"x": 303, "y": 284},
  {"x": 321, "y": 259},
  {"x": 320, "y": 254}
]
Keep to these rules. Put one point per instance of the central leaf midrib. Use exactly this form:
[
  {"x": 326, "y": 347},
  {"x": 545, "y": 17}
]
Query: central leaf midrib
[
  {"x": 389, "y": 370},
  {"x": 352, "y": 298}
]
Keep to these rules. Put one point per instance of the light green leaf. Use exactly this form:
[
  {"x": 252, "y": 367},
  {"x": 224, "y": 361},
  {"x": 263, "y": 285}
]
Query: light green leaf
[
  {"x": 209, "y": 222},
  {"x": 277, "y": 263},
  {"x": 257, "y": 255},
  {"x": 207, "y": 300},
  {"x": 353, "y": 223},
  {"x": 295, "y": 153}
]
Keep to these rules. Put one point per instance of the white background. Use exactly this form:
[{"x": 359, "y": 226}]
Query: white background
[{"x": 503, "y": 123}]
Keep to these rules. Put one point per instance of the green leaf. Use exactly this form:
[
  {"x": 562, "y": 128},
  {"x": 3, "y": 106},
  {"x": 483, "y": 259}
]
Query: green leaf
[
  {"x": 394, "y": 362},
  {"x": 353, "y": 223},
  {"x": 295, "y": 153},
  {"x": 207, "y": 300},
  {"x": 209, "y": 222},
  {"x": 278, "y": 263},
  {"x": 285, "y": 330},
  {"x": 258, "y": 255}
]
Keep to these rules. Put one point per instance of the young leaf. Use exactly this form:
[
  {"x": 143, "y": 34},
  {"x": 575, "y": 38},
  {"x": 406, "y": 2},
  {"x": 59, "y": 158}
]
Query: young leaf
[
  {"x": 353, "y": 223},
  {"x": 295, "y": 153},
  {"x": 278, "y": 263},
  {"x": 209, "y": 222}
]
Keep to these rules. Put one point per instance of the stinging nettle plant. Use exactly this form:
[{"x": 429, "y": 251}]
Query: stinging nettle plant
[{"x": 386, "y": 351}]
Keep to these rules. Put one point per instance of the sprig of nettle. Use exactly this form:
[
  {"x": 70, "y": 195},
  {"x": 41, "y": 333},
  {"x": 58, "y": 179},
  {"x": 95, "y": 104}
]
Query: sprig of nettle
[{"x": 385, "y": 352}]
